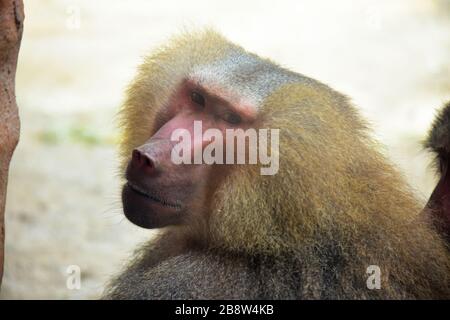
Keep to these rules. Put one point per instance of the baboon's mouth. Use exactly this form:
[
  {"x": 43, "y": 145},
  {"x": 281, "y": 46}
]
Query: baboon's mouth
[{"x": 152, "y": 197}]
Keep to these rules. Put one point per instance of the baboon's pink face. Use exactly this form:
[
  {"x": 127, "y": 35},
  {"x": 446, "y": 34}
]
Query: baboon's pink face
[{"x": 160, "y": 192}]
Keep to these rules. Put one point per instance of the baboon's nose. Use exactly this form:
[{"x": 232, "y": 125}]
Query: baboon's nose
[{"x": 142, "y": 161}]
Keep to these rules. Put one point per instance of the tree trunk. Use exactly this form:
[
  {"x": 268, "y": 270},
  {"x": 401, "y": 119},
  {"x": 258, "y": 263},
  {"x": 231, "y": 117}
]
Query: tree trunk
[{"x": 11, "y": 27}]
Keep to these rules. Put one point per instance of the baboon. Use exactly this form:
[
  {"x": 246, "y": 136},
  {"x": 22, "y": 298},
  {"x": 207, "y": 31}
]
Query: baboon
[{"x": 335, "y": 208}]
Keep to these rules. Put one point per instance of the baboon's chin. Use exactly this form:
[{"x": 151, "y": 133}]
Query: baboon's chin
[{"x": 149, "y": 211}]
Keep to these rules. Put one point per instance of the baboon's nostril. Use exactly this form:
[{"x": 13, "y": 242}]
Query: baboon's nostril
[{"x": 142, "y": 160}]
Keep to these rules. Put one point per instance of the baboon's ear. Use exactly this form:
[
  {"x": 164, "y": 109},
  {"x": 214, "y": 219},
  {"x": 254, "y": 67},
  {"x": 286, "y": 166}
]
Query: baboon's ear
[{"x": 438, "y": 141}]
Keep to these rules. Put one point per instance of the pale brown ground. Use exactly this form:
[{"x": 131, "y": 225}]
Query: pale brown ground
[{"x": 63, "y": 205}]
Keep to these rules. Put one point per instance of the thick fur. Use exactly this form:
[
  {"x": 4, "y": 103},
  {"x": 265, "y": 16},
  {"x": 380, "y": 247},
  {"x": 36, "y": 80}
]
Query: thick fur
[
  {"x": 335, "y": 207},
  {"x": 438, "y": 140}
]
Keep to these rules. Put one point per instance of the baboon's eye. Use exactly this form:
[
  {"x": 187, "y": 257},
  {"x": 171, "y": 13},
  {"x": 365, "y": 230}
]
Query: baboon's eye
[
  {"x": 197, "y": 98},
  {"x": 232, "y": 118}
]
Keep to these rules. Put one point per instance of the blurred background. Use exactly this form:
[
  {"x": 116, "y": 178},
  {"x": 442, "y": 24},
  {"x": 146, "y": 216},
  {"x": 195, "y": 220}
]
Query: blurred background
[{"x": 63, "y": 206}]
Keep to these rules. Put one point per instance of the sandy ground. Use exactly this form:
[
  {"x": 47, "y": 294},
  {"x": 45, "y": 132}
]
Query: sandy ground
[{"x": 63, "y": 205}]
